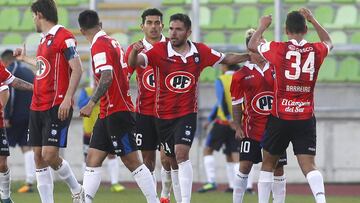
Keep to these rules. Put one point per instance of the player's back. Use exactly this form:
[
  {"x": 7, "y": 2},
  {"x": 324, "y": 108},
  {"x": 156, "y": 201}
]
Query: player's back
[{"x": 296, "y": 68}]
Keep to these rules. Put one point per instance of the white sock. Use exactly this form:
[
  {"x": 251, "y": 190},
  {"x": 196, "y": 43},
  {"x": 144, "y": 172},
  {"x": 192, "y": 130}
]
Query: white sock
[
  {"x": 209, "y": 165},
  {"x": 65, "y": 173},
  {"x": 266, "y": 180},
  {"x": 279, "y": 189},
  {"x": 5, "y": 184},
  {"x": 154, "y": 179},
  {"x": 113, "y": 168},
  {"x": 316, "y": 183},
  {"x": 185, "y": 180},
  {"x": 176, "y": 185},
  {"x": 45, "y": 185},
  {"x": 29, "y": 166},
  {"x": 145, "y": 181},
  {"x": 230, "y": 172},
  {"x": 239, "y": 187},
  {"x": 250, "y": 182},
  {"x": 91, "y": 182},
  {"x": 165, "y": 183}
]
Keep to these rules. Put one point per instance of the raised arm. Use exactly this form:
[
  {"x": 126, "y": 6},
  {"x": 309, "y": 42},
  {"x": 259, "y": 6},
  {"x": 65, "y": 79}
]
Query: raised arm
[
  {"x": 104, "y": 83},
  {"x": 255, "y": 40},
  {"x": 135, "y": 59},
  {"x": 235, "y": 58},
  {"x": 323, "y": 34}
]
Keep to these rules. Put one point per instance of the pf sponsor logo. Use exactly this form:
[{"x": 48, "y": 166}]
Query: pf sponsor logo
[
  {"x": 148, "y": 80},
  {"x": 42, "y": 67},
  {"x": 262, "y": 103},
  {"x": 180, "y": 81}
]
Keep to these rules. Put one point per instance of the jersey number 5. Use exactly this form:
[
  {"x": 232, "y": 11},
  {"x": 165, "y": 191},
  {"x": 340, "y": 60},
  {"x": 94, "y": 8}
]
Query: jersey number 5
[{"x": 308, "y": 66}]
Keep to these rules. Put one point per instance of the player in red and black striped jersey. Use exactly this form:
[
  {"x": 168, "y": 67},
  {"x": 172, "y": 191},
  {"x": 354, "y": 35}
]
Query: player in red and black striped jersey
[
  {"x": 177, "y": 66},
  {"x": 114, "y": 129},
  {"x": 57, "y": 77},
  {"x": 147, "y": 137},
  {"x": 296, "y": 64}
]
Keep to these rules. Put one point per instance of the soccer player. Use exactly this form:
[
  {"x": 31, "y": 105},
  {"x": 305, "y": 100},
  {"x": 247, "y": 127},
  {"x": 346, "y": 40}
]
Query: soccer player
[
  {"x": 177, "y": 65},
  {"x": 16, "y": 116},
  {"x": 113, "y": 167},
  {"x": 252, "y": 95},
  {"x": 6, "y": 78},
  {"x": 57, "y": 77},
  {"x": 297, "y": 63},
  {"x": 221, "y": 132},
  {"x": 113, "y": 130},
  {"x": 147, "y": 137}
]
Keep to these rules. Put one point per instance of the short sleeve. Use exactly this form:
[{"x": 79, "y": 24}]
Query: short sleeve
[
  {"x": 210, "y": 57},
  {"x": 322, "y": 50},
  {"x": 130, "y": 70},
  {"x": 150, "y": 55},
  {"x": 3, "y": 87},
  {"x": 68, "y": 47},
  {"x": 5, "y": 76},
  {"x": 101, "y": 57},
  {"x": 237, "y": 93},
  {"x": 269, "y": 50}
]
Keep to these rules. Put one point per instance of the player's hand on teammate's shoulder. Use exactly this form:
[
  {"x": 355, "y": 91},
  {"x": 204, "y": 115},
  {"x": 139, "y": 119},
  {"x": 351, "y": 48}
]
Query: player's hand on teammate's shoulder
[
  {"x": 307, "y": 14},
  {"x": 265, "y": 21}
]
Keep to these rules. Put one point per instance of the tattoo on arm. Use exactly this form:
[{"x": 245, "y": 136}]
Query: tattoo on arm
[
  {"x": 22, "y": 85},
  {"x": 104, "y": 83}
]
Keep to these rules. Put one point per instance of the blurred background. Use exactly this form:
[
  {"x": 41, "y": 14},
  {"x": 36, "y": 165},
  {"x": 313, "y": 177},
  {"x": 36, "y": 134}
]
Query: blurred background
[{"x": 222, "y": 24}]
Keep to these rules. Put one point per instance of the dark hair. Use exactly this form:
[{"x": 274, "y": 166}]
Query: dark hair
[
  {"x": 183, "y": 18},
  {"x": 151, "y": 12},
  {"x": 47, "y": 8},
  {"x": 88, "y": 19},
  {"x": 234, "y": 67},
  {"x": 7, "y": 55},
  {"x": 295, "y": 22}
]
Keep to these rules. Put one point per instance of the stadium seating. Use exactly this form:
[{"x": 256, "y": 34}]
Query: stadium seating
[
  {"x": 19, "y": 2},
  {"x": 172, "y": 2},
  {"x": 324, "y": 14},
  {"x": 6, "y": 22},
  {"x": 349, "y": 70},
  {"x": 338, "y": 37},
  {"x": 248, "y": 16},
  {"x": 222, "y": 17},
  {"x": 12, "y": 38},
  {"x": 220, "y": 1},
  {"x": 215, "y": 38},
  {"x": 26, "y": 23},
  {"x": 327, "y": 70},
  {"x": 136, "y": 37},
  {"x": 209, "y": 74},
  {"x": 122, "y": 38},
  {"x": 245, "y": 1},
  {"x": 67, "y": 2},
  {"x": 355, "y": 38},
  {"x": 346, "y": 16}
]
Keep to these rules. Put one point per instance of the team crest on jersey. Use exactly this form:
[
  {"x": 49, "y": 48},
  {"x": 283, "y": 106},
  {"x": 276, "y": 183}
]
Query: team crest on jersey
[
  {"x": 180, "y": 81},
  {"x": 148, "y": 80},
  {"x": 42, "y": 67},
  {"x": 262, "y": 103}
]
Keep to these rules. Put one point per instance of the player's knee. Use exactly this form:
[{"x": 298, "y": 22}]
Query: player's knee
[
  {"x": 150, "y": 164},
  {"x": 3, "y": 164},
  {"x": 181, "y": 156}
]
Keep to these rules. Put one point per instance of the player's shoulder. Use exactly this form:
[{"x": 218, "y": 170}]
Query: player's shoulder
[
  {"x": 240, "y": 74},
  {"x": 65, "y": 33}
]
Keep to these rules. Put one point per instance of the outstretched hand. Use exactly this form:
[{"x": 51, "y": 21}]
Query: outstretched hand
[{"x": 20, "y": 53}]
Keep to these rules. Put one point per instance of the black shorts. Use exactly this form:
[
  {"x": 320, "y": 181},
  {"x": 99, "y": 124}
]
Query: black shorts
[
  {"x": 250, "y": 150},
  {"x": 86, "y": 143},
  {"x": 146, "y": 135},
  {"x": 176, "y": 131},
  {"x": 222, "y": 135},
  {"x": 279, "y": 133},
  {"x": 17, "y": 133},
  {"x": 4, "y": 144},
  {"x": 46, "y": 129},
  {"x": 114, "y": 134}
]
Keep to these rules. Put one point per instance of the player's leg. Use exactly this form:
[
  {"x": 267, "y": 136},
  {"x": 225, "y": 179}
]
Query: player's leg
[
  {"x": 29, "y": 169},
  {"x": 55, "y": 132},
  {"x": 231, "y": 151},
  {"x": 250, "y": 182},
  {"x": 166, "y": 182},
  {"x": 113, "y": 169},
  {"x": 250, "y": 152},
  {"x": 169, "y": 164},
  {"x": 120, "y": 127},
  {"x": 304, "y": 145},
  {"x": 44, "y": 178},
  {"x": 185, "y": 128},
  {"x": 279, "y": 185},
  {"x": 5, "y": 180}
]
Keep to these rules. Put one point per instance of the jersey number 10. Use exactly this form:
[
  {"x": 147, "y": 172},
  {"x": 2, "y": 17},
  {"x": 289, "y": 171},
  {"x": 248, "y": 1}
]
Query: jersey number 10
[{"x": 308, "y": 66}]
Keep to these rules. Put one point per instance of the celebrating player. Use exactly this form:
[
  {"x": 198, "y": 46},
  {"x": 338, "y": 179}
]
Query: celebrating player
[
  {"x": 177, "y": 65},
  {"x": 114, "y": 129},
  {"x": 296, "y": 63}
]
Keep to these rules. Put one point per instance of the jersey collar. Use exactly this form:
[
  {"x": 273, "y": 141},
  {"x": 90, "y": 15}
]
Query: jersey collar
[
  {"x": 52, "y": 31},
  {"x": 301, "y": 43},
  {"x": 97, "y": 35},
  {"x": 148, "y": 46},
  {"x": 251, "y": 66},
  {"x": 172, "y": 52}
]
